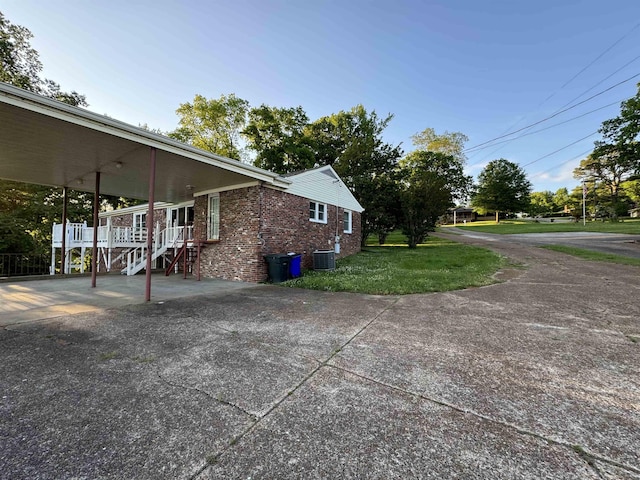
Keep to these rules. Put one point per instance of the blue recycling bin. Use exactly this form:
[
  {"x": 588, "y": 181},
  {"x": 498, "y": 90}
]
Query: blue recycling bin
[{"x": 295, "y": 265}]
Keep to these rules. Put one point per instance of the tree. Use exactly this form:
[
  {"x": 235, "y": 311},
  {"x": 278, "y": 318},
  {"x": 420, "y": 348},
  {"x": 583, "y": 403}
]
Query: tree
[
  {"x": 277, "y": 136},
  {"x": 621, "y": 137},
  {"x": 20, "y": 65},
  {"x": 502, "y": 187},
  {"x": 561, "y": 198},
  {"x": 429, "y": 183},
  {"x": 615, "y": 158},
  {"x": 27, "y": 211},
  {"x": 541, "y": 203},
  {"x": 213, "y": 125},
  {"x": 605, "y": 170},
  {"x": 351, "y": 141},
  {"x": 449, "y": 143}
]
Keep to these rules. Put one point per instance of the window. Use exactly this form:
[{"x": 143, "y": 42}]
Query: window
[
  {"x": 347, "y": 221},
  {"x": 139, "y": 221},
  {"x": 139, "y": 226},
  {"x": 213, "y": 217},
  {"x": 317, "y": 212}
]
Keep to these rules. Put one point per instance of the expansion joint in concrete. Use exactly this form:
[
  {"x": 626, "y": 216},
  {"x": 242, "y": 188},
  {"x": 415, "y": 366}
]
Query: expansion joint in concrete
[
  {"x": 215, "y": 399},
  {"x": 586, "y": 456},
  {"x": 214, "y": 458}
]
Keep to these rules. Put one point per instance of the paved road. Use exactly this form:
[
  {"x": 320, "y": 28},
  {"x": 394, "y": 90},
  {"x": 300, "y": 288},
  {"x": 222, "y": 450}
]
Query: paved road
[
  {"x": 536, "y": 377},
  {"x": 626, "y": 245}
]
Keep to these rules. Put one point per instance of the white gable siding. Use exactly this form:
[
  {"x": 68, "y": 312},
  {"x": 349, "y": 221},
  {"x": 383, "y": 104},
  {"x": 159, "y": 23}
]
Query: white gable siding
[{"x": 323, "y": 185}]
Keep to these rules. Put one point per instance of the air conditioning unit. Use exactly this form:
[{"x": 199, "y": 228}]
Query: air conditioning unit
[{"x": 324, "y": 260}]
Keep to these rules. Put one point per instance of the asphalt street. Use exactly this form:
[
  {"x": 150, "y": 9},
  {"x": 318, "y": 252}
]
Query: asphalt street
[{"x": 625, "y": 245}]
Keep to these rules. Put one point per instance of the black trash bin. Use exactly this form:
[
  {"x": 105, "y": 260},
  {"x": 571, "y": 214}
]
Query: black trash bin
[{"x": 278, "y": 267}]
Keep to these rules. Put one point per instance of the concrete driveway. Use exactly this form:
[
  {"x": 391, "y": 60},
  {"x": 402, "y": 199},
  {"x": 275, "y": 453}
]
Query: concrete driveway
[{"x": 536, "y": 377}]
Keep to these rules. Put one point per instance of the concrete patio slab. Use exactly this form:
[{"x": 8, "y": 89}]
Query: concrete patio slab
[{"x": 26, "y": 300}]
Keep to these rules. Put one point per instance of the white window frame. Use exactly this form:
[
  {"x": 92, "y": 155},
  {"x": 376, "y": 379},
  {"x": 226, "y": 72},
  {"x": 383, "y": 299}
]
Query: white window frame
[
  {"x": 347, "y": 221},
  {"x": 317, "y": 212},
  {"x": 139, "y": 227},
  {"x": 139, "y": 220},
  {"x": 213, "y": 216}
]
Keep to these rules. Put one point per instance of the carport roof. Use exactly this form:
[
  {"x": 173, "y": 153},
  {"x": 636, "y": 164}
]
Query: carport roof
[{"x": 47, "y": 142}]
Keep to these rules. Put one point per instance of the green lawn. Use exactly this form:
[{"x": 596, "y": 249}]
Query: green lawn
[
  {"x": 592, "y": 255},
  {"x": 628, "y": 226},
  {"x": 439, "y": 265}
]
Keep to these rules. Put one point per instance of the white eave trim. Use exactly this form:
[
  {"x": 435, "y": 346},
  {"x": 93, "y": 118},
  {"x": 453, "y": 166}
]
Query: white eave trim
[{"x": 85, "y": 118}]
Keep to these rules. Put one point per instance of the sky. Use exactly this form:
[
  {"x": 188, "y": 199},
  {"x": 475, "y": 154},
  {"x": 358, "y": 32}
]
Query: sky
[{"x": 483, "y": 68}]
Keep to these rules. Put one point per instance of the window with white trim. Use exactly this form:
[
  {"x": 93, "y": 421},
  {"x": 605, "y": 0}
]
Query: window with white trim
[
  {"x": 318, "y": 212},
  {"x": 139, "y": 226},
  {"x": 139, "y": 220},
  {"x": 213, "y": 217},
  {"x": 347, "y": 221}
]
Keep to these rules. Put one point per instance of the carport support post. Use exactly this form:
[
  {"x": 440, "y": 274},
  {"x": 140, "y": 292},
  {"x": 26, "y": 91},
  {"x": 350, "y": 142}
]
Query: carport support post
[
  {"x": 63, "y": 270},
  {"x": 152, "y": 192},
  {"x": 94, "y": 252}
]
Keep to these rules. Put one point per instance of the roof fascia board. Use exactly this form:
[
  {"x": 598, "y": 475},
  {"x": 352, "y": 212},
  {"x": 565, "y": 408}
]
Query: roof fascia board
[
  {"x": 85, "y": 118},
  {"x": 225, "y": 189}
]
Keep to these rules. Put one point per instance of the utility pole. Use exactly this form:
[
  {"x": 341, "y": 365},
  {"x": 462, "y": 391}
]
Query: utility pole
[{"x": 584, "y": 204}]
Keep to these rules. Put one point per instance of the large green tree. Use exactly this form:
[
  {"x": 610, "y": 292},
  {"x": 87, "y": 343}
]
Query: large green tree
[
  {"x": 541, "y": 203},
  {"x": 28, "y": 212},
  {"x": 561, "y": 198},
  {"x": 277, "y": 136},
  {"x": 430, "y": 181},
  {"x": 449, "y": 143},
  {"x": 351, "y": 141},
  {"x": 608, "y": 173},
  {"x": 616, "y": 158},
  {"x": 20, "y": 65},
  {"x": 621, "y": 137},
  {"x": 502, "y": 187},
  {"x": 213, "y": 124}
]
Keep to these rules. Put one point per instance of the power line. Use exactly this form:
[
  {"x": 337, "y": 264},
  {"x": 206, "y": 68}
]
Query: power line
[
  {"x": 477, "y": 149},
  {"x": 561, "y": 164},
  {"x": 553, "y": 115},
  {"x": 601, "y": 81},
  {"x": 607, "y": 50},
  {"x": 559, "y": 150},
  {"x": 505, "y": 132}
]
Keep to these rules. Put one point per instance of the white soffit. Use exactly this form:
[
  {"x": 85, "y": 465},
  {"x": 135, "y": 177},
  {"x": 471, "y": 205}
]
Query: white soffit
[{"x": 46, "y": 142}]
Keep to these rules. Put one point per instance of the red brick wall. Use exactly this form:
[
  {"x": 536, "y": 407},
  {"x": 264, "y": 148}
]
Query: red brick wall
[
  {"x": 256, "y": 221},
  {"x": 238, "y": 253}
]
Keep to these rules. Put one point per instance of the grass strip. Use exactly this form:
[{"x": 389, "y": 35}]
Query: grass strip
[
  {"x": 593, "y": 255},
  {"x": 506, "y": 227},
  {"x": 436, "y": 266}
]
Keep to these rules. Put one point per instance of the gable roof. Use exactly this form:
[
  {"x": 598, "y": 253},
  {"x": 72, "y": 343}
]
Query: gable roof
[{"x": 325, "y": 186}]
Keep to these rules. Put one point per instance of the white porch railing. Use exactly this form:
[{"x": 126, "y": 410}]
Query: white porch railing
[
  {"x": 170, "y": 237},
  {"x": 79, "y": 235}
]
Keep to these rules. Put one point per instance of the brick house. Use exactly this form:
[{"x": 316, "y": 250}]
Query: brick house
[
  {"x": 240, "y": 212},
  {"x": 240, "y": 226},
  {"x": 236, "y": 226}
]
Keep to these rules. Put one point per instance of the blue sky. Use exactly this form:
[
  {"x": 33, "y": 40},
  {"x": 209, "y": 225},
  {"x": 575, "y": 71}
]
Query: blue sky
[{"x": 480, "y": 68}]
